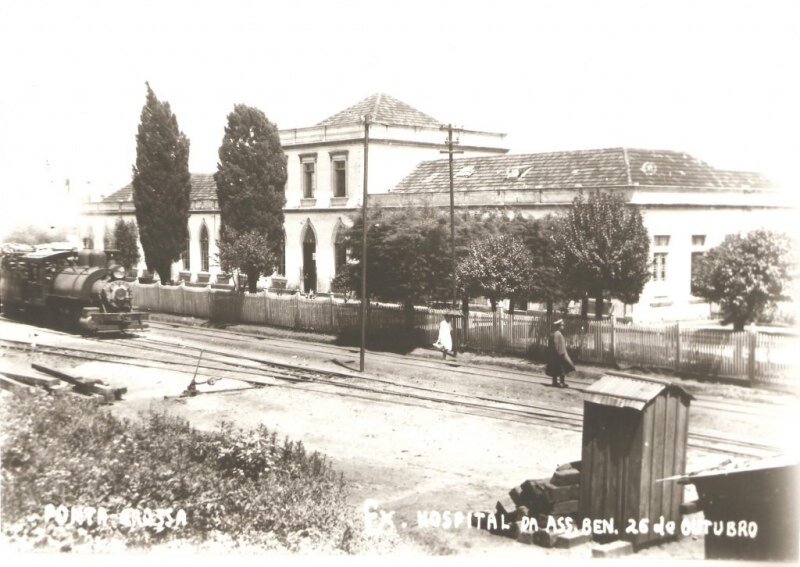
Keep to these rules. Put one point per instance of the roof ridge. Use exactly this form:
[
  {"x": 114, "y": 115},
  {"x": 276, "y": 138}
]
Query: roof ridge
[
  {"x": 378, "y": 98},
  {"x": 627, "y": 165}
]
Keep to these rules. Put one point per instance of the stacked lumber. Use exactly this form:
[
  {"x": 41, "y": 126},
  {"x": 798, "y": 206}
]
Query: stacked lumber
[
  {"x": 537, "y": 510},
  {"x": 91, "y": 387},
  {"x": 30, "y": 384}
]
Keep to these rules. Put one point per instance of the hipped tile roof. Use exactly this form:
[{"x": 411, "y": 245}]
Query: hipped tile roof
[
  {"x": 383, "y": 109},
  {"x": 570, "y": 169},
  {"x": 203, "y": 187},
  {"x": 554, "y": 170}
]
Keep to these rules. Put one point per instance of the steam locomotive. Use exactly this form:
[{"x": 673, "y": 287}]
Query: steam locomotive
[{"x": 71, "y": 289}]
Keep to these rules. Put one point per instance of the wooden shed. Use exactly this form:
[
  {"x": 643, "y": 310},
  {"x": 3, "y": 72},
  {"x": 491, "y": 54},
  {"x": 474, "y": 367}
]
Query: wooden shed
[
  {"x": 634, "y": 434},
  {"x": 762, "y": 495}
]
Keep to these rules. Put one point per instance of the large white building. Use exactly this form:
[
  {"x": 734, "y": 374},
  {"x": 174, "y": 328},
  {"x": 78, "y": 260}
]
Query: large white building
[
  {"x": 687, "y": 205},
  {"x": 325, "y": 181}
]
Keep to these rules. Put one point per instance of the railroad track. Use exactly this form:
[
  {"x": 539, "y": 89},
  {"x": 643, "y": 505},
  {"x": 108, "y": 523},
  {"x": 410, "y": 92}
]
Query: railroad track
[
  {"x": 507, "y": 374},
  {"x": 261, "y": 372}
]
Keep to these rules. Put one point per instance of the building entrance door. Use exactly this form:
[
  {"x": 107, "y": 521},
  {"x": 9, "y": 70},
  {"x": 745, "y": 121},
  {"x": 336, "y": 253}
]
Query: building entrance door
[{"x": 309, "y": 262}]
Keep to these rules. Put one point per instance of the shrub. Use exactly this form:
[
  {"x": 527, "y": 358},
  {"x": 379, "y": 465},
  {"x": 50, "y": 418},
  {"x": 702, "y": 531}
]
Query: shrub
[
  {"x": 247, "y": 485},
  {"x": 395, "y": 338}
]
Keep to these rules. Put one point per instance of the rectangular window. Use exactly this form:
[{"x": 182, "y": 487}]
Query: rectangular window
[
  {"x": 339, "y": 177},
  {"x": 698, "y": 240},
  {"x": 661, "y": 240},
  {"x": 697, "y": 257},
  {"x": 659, "y": 266},
  {"x": 309, "y": 179}
]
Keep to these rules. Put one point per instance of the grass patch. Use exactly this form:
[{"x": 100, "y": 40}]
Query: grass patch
[{"x": 246, "y": 488}]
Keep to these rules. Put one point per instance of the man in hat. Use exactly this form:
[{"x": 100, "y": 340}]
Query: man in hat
[{"x": 559, "y": 363}]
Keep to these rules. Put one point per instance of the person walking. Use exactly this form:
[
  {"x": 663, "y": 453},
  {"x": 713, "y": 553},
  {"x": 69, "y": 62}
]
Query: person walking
[
  {"x": 445, "y": 339},
  {"x": 559, "y": 364}
]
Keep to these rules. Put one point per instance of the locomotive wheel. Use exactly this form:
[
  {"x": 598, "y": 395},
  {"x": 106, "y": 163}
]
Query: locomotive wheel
[{"x": 69, "y": 316}]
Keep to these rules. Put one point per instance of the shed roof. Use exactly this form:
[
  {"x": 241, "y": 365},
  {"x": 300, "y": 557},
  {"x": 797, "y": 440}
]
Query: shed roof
[
  {"x": 629, "y": 391},
  {"x": 731, "y": 467}
]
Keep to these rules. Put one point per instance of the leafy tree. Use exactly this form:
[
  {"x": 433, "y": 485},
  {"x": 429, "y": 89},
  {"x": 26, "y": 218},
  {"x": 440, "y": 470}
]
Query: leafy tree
[
  {"x": 347, "y": 280},
  {"x": 126, "y": 242},
  {"x": 251, "y": 249},
  {"x": 547, "y": 283},
  {"x": 497, "y": 267},
  {"x": 746, "y": 275},
  {"x": 408, "y": 254},
  {"x": 250, "y": 179},
  {"x": 407, "y": 251},
  {"x": 161, "y": 186},
  {"x": 602, "y": 249}
]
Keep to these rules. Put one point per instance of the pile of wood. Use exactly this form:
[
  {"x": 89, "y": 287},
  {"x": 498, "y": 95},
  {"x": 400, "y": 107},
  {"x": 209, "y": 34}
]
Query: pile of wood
[
  {"x": 58, "y": 382},
  {"x": 540, "y": 511}
]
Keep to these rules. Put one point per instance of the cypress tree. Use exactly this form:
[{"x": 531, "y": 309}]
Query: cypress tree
[
  {"x": 161, "y": 186},
  {"x": 250, "y": 178}
]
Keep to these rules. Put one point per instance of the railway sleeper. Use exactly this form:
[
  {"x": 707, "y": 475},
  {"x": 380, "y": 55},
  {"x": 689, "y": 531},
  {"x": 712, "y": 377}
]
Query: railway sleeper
[{"x": 92, "y": 387}]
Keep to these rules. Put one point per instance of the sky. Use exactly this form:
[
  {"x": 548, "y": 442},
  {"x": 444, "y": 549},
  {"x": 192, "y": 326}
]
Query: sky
[{"x": 714, "y": 79}]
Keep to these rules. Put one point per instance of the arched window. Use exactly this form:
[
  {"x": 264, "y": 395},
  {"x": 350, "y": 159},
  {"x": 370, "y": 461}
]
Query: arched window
[
  {"x": 203, "y": 248},
  {"x": 309, "y": 259},
  {"x": 185, "y": 254}
]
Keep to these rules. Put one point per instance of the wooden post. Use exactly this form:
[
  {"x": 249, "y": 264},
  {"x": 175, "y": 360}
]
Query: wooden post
[
  {"x": 266, "y": 307},
  {"x": 364, "y": 228},
  {"x": 511, "y": 328},
  {"x": 613, "y": 340},
  {"x": 465, "y": 311},
  {"x": 297, "y": 312},
  {"x": 500, "y": 328},
  {"x": 677, "y": 346},
  {"x": 183, "y": 301},
  {"x": 494, "y": 329},
  {"x": 332, "y": 324},
  {"x": 752, "y": 343}
]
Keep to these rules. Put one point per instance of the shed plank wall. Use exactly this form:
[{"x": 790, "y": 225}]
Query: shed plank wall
[
  {"x": 625, "y": 453},
  {"x": 670, "y": 428},
  {"x": 588, "y": 462},
  {"x": 643, "y": 496},
  {"x": 657, "y": 469},
  {"x": 635, "y": 475},
  {"x": 682, "y": 427}
]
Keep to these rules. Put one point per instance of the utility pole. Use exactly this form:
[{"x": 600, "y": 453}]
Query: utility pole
[
  {"x": 450, "y": 151},
  {"x": 364, "y": 246}
]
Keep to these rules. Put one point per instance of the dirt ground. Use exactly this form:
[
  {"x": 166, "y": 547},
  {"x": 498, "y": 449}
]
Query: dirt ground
[{"x": 407, "y": 455}]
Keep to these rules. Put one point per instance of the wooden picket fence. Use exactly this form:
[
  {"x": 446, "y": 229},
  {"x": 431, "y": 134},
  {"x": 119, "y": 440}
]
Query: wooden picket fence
[{"x": 758, "y": 357}]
